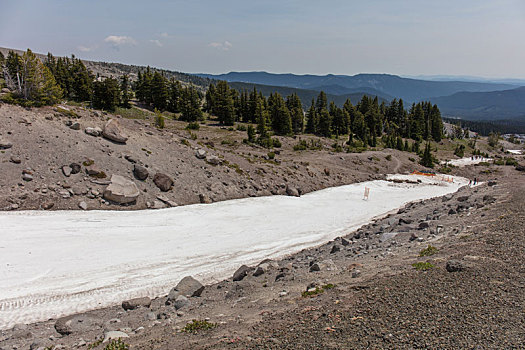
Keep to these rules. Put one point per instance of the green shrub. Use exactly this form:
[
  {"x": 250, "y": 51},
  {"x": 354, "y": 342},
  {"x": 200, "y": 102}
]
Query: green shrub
[
  {"x": 242, "y": 127},
  {"x": 428, "y": 251},
  {"x": 423, "y": 266},
  {"x": 193, "y": 126},
  {"x": 388, "y": 157},
  {"x": 117, "y": 345},
  {"x": 271, "y": 155},
  {"x": 276, "y": 143},
  {"x": 317, "y": 291},
  {"x": 198, "y": 325}
]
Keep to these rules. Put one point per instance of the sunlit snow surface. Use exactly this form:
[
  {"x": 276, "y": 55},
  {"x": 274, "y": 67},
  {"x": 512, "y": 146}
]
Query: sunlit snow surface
[
  {"x": 467, "y": 161},
  {"x": 64, "y": 262}
]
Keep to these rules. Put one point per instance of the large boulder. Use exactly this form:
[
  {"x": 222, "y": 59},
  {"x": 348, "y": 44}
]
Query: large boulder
[
  {"x": 163, "y": 182},
  {"x": 200, "y": 153},
  {"x": 112, "y": 131},
  {"x": 188, "y": 287},
  {"x": 77, "y": 324},
  {"x": 121, "y": 190}
]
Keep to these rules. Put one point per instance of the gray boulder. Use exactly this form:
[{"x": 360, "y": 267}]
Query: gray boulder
[
  {"x": 5, "y": 144},
  {"x": 135, "y": 303},
  {"x": 325, "y": 265},
  {"x": 75, "y": 126},
  {"x": 180, "y": 302},
  {"x": 76, "y": 323},
  {"x": 241, "y": 273},
  {"x": 213, "y": 160},
  {"x": 114, "y": 335},
  {"x": 140, "y": 172},
  {"x": 200, "y": 153},
  {"x": 75, "y": 168},
  {"x": 292, "y": 191},
  {"x": 66, "y": 170},
  {"x": 96, "y": 131},
  {"x": 188, "y": 287},
  {"x": 121, "y": 190},
  {"x": 455, "y": 266},
  {"x": 205, "y": 199},
  {"x": 112, "y": 131},
  {"x": 163, "y": 182}
]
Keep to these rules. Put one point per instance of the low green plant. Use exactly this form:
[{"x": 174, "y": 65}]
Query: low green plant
[
  {"x": 193, "y": 126},
  {"x": 228, "y": 142},
  {"x": 159, "y": 120},
  {"x": 271, "y": 155},
  {"x": 317, "y": 290},
  {"x": 241, "y": 127},
  {"x": 185, "y": 142},
  {"x": 198, "y": 325},
  {"x": 428, "y": 251},
  {"x": 388, "y": 157},
  {"x": 422, "y": 266},
  {"x": 95, "y": 343},
  {"x": 117, "y": 345}
]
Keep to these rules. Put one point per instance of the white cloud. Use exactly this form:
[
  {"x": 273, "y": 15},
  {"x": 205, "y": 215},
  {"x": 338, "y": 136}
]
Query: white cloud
[
  {"x": 225, "y": 46},
  {"x": 164, "y": 35},
  {"x": 157, "y": 42},
  {"x": 116, "y": 40},
  {"x": 86, "y": 48}
]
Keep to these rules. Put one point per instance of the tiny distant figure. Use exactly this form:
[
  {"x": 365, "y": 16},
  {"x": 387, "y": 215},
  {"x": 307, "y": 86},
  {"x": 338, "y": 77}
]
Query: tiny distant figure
[
  {"x": 475, "y": 181},
  {"x": 470, "y": 182},
  {"x": 472, "y": 158},
  {"x": 367, "y": 193}
]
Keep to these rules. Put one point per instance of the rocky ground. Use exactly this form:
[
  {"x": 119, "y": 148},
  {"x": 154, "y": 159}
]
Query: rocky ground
[
  {"x": 61, "y": 158},
  {"x": 362, "y": 290}
]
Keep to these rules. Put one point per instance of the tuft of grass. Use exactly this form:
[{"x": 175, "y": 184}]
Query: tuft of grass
[
  {"x": 193, "y": 126},
  {"x": 428, "y": 251},
  {"x": 422, "y": 266},
  {"x": 198, "y": 325},
  {"x": 69, "y": 113},
  {"x": 95, "y": 344},
  {"x": 117, "y": 345},
  {"x": 185, "y": 142},
  {"x": 317, "y": 291},
  {"x": 88, "y": 162},
  {"x": 388, "y": 157}
]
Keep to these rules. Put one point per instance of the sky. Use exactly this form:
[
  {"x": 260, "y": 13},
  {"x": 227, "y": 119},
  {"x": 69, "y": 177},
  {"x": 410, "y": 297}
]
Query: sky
[{"x": 406, "y": 37}]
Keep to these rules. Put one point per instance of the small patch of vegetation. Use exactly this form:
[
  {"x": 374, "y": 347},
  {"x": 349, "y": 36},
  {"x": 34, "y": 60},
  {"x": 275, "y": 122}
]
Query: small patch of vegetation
[
  {"x": 117, "y": 345},
  {"x": 428, "y": 251},
  {"x": 271, "y": 155},
  {"x": 193, "y": 126},
  {"x": 132, "y": 113},
  {"x": 185, "y": 142},
  {"x": 67, "y": 112},
  {"x": 99, "y": 175},
  {"x": 95, "y": 344},
  {"x": 445, "y": 170},
  {"x": 317, "y": 290},
  {"x": 388, "y": 157},
  {"x": 411, "y": 159},
  {"x": 242, "y": 127},
  {"x": 228, "y": 142},
  {"x": 337, "y": 147},
  {"x": 159, "y": 120},
  {"x": 303, "y": 145},
  {"x": 193, "y": 136},
  {"x": 198, "y": 325},
  {"x": 147, "y": 151},
  {"x": 422, "y": 266},
  {"x": 510, "y": 161},
  {"x": 88, "y": 162}
]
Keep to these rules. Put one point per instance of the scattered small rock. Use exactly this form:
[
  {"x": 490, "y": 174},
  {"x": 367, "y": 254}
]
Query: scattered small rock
[
  {"x": 455, "y": 266},
  {"x": 140, "y": 172},
  {"x": 241, "y": 273},
  {"x": 135, "y": 303},
  {"x": 112, "y": 131}
]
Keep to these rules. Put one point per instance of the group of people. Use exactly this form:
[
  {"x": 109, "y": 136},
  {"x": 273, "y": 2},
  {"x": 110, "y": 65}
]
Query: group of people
[{"x": 473, "y": 183}]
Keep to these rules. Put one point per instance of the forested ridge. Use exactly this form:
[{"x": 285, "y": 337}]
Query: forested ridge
[{"x": 364, "y": 124}]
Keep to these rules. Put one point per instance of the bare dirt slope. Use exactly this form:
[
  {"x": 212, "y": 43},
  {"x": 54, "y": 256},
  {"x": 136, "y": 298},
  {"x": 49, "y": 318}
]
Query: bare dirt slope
[{"x": 42, "y": 143}]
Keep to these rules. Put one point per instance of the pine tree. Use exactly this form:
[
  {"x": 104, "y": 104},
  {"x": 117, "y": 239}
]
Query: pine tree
[
  {"x": 159, "y": 91},
  {"x": 293, "y": 103},
  {"x": 190, "y": 105},
  {"x": 124, "y": 88},
  {"x": 224, "y": 107},
  {"x": 312, "y": 119},
  {"x": 106, "y": 94},
  {"x": 427, "y": 160}
]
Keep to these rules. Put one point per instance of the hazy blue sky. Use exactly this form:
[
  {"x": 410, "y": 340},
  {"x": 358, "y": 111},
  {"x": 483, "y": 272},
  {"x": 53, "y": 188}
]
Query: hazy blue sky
[{"x": 408, "y": 37}]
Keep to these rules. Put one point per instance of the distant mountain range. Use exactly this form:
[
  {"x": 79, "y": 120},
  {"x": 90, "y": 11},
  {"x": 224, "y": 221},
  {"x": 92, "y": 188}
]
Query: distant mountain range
[
  {"x": 306, "y": 95},
  {"x": 487, "y": 106},
  {"x": 382, "y": 85}
]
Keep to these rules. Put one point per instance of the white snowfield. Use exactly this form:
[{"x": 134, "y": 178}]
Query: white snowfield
[
  {"x": 466, "y": 161},
  {"x": 64, "y": 262},
  {"x": 515, "y": 151}
]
